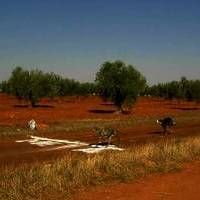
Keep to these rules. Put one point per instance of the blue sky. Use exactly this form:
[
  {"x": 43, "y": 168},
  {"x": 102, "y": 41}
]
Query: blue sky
[{"x": 74, "y": 37}]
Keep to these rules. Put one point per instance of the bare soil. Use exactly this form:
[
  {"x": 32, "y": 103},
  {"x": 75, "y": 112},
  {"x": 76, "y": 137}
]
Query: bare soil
[
  {"x": 58, "y": 111},
  {"x": 183, "y": 185},
  {"x": 13, "y": 112}
]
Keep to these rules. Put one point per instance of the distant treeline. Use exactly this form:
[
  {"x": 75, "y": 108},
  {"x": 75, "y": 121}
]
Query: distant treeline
[
  {"x": 183, "y": 89},
  {"x": 35, "y": 84}
]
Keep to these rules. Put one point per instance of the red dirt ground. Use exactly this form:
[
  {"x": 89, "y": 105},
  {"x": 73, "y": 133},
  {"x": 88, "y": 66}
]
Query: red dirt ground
[
  {"x": 179, "y": 186},
  {"x": 13, "y": 112},
  {"x": 16, "y": 153},
  {"x": 76, "y": 108},
  {"x": 182, "y": 185}
]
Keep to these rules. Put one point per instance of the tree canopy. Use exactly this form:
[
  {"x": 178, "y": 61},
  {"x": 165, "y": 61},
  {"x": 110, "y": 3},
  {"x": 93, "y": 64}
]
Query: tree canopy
[
  {"x": 119, "y": 83},
  {"x": 183, "y": 89},
  {"x": 33, "y": 85},
  {"x": 115, "y": 81}
]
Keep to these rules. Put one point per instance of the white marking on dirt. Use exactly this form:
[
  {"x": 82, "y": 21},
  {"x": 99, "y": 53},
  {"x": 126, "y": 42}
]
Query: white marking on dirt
[
  {"x": 64, "y": 144},
  {"x": 98, "y": 148},
  {"x": 40, "y": 141},
  {"x": 58, "y": 148},
  {"x": 59, "y": 141}
]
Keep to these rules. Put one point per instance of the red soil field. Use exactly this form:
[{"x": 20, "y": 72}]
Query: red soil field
[
  {"x": 13, "y": 112},
  {"x": 179, "y": 186},
  {"x": 182, "y": 185}
]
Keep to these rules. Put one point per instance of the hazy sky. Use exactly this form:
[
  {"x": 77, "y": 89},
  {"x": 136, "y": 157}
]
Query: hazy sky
[{"x": 74, "y": 37}]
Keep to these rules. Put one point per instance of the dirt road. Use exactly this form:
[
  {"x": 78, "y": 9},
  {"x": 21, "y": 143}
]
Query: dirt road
[{"x": 16, "y": 153}]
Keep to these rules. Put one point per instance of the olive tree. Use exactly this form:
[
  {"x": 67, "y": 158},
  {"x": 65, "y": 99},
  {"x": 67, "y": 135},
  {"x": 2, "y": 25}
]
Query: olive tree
[
  {"x": 19, "y": 83},
  {"x": 32, "y": 85},
  {"x": 119, "y": 83}
]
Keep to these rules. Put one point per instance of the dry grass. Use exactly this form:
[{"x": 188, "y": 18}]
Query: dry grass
[
  {"x": 65, "y": 176},
  {"x": 71, "y": 126},
  {"x": 68, "y": 126},
  {"x": 87, "y": 124}
]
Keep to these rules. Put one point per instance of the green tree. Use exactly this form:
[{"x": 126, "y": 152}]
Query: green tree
[
  {"x": 32, "y": 86},
  {"x": 19, "y": 83},
  {"x": 87, "y": 88},
  {"x": 119, "y": 83},
  {"x": 195, "y": 90},
  {"x": 41, "y": 85},
  {"x": 183, "y": 89},
  {"x": 5, "y": 87}
]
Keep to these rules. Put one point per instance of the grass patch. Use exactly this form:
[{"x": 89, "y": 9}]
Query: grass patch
[
  {"x": 13, "y": 131},
  {"x": 87, "y": 124},
  {"x": 70, "y": 126},
  {"x": 65, "y": 176}
]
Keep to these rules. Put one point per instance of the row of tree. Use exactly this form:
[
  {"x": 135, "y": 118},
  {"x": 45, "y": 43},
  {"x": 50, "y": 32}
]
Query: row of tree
[
  {"x": 115, "y": 81},
  {"x": 184, "y": 89},
  {"x": 33, "y": 85}
]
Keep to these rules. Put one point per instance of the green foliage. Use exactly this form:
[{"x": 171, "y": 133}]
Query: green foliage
[
  {"x": 119, "y": 83},
  {"x": 33, "y": 85},
  {"x": 195, "y": 90},
  {"x": 183, "y": 89},
  {"x": 5, "y": 87},
  {"x": 41, "y": 85},
  {"x": 19, "y": 83},
  {"x": 70, "y": 87}
]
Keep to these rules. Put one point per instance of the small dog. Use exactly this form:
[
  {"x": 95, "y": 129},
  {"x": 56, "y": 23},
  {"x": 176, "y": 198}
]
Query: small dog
[
  {"x": 167, "y": 123},
  {"x": 106, "y": 134}
]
